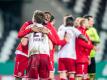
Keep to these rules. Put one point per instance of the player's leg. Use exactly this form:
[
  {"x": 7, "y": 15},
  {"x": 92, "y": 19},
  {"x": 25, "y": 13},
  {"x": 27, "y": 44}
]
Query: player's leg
[
  {"x": 17, "y": 78},
  {"x": 44, "y": 67},
  {"x": 70, "y": 65},
  {"x": 78, "y": 72},
  {"x": 61, "y": 69},
  {"x": 51, "y": 75},
  {"x": 62, "y": 75},
  {"x": 71, "y": 76},
  {"x": 20, "y": 66},
  {"x": 52, "y": 70},
  {"x": 78, "y": 78},
  {"x": 81, "y": 71},
  {"x": 92, "y": 76},
  {"x": 32, "y": 70},
  {"x": 85, "y": 71},
  {"x": 92, "y": 69}
]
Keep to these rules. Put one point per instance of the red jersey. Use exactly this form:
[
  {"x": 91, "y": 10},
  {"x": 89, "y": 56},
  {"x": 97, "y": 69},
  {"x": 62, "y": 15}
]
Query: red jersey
[
  {"x": 83, "y": 48},
  {"x": 56, "y": 41},
  {"x": 22, "y": 32}
]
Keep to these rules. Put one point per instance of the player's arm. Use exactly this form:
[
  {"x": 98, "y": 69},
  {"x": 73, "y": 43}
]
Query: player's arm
[
  {"x": 59, "y": 41},
  {"x": 80, "y": 35},
  {"x": 55, "y": 34},
  {"x": 85, "y": 44},
  {"x": 51, "y": 35},
  {"x": 93, "y": 35},
  {"x": 24, "y": 41},
  {"x": 96, "y": 37},
  {"x": 23, "y": 31},
  {"x": 83, "y": 37}
]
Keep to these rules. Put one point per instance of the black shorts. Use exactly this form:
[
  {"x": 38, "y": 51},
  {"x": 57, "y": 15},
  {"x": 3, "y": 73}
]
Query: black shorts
[{"x": 92, "y": 66}]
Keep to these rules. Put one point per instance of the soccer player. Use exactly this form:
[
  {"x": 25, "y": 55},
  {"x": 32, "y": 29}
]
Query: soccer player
[
  {"x": 21, "y": 57},
  {"x": 67, "y": 53},
  {"x": 62, "y": 27},
  {"x": 38, "y": 50},
  {"x": 82, "y": 50},
  {"x": 94, "y": 37},
  {"x": 50, "y": 25}
]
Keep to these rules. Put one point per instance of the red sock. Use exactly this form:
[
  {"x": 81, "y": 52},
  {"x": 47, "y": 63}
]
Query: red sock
[{"x": 71, "y": 79}]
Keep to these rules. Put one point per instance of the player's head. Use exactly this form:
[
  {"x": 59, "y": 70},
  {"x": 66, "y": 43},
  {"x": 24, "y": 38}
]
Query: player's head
[
  {"x": 65, "y": 17},
  {"x": 77, "y": 22},
  {"x": 90, "y": 19},
  {"x": 38, "y": 17},
  {"x": 69, "y": 21},
  {"x": 84, "y": 23},
  {"x": 47, "y": 16}
]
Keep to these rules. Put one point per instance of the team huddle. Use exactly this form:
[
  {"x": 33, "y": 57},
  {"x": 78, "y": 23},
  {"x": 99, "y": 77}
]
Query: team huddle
[{"x": 76, "y": 38}]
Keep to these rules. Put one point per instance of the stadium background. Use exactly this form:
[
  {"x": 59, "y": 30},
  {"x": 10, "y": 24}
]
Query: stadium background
[{"x": 13, "y": 13}]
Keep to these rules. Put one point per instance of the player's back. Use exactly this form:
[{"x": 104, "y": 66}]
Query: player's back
[
  {"x": 68, "y": 50},
  {"x": 38, "y": 42}
]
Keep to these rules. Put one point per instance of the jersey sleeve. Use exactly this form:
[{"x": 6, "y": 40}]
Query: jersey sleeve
[
  {"x": 23, "y": 31},
  {"x": 84, "y": 44},
  {"x": 54, "y": 33},
  {"x": 61, "y": 32},
  {"x": 77, "y": 32},
  {"x": 93, "y": 35}
]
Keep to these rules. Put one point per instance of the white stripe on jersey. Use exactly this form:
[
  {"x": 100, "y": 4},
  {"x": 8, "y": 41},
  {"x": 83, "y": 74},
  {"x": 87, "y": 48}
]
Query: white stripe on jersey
[{"x": 21, "y": 53}]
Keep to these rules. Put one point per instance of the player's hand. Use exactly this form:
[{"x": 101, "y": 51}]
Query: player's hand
[
  {"x": 24, "y": 41},
  {"x": 35, "y": 29},
  {"x": 45, "y": 30},
  {"x": 94, "y": 48},
  {"x": 89, "y": 61}
]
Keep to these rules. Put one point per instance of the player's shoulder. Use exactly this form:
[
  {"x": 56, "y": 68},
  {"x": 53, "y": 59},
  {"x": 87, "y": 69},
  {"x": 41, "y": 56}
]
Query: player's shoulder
[
  {"x": 92, "y": 29},
  {"x": 73, "y": 28},
  {"x": 28, "y": 22},
  {"x": 61, "y": 27}
]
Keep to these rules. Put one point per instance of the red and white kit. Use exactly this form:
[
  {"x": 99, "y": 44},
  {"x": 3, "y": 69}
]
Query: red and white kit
[
  {"x": 82, "y": 51},
  {"x": 38, "y": 52},
  {"x": 67, "y": 54},
  {"x": 57, "y": 41},
  {"x": 21, "y": 60}
]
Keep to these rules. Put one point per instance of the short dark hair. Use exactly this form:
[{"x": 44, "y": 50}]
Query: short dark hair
[
  {"x": 69, "y": 21},
  {"x": 52, "y": 18},
  {"x": 87, "y": 16},
  {"x": 39, "y": 17},
  {"x": 46, "y": 12}
]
